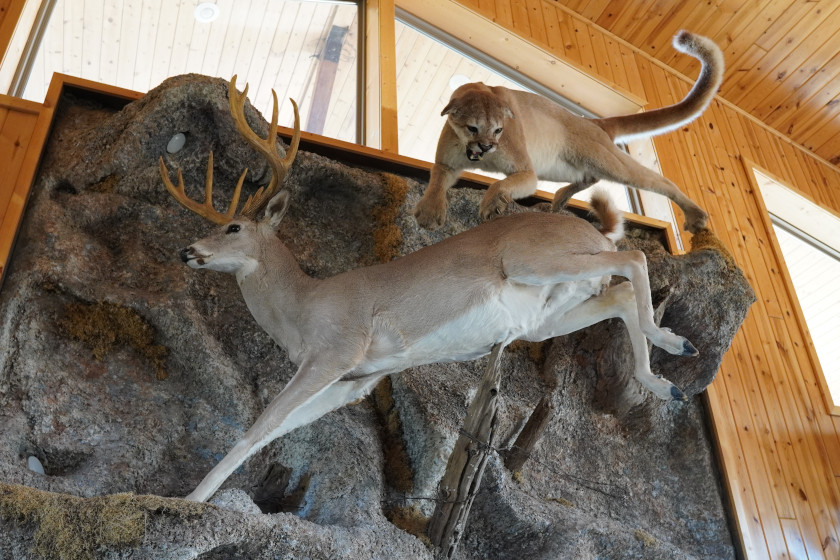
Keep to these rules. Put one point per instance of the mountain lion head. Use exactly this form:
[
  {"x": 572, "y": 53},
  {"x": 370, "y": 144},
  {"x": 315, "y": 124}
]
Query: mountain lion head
[{"x": 477, "y": 116}]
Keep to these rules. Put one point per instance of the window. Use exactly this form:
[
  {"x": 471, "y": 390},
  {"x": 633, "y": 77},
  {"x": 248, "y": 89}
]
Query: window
[
  {"x": 304, "y": 49},
  {"x": 308, "y": 50},
  {"x": 809, "y": 238}
]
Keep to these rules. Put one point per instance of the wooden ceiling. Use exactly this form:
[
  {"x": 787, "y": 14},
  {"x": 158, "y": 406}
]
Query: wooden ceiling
[{"x": 783, "y": 56}]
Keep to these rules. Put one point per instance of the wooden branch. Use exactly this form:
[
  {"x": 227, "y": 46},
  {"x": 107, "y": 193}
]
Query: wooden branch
[
  {"x": 530, "y": 434},
  {"x": 462, "y": 478}
]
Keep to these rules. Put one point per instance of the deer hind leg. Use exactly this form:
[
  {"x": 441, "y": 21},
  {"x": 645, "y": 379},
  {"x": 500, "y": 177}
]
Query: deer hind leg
[
  {"x": 564, "y": 194},
  {"x": 624, "y": 297},
  {"x": 304, "y": 399},
  {"x": 615, "y": 302},
  {"x": 545, "y": 265}
]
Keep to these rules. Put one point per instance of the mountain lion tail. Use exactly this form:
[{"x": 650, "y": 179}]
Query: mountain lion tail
[
  {"x": 658, "y": 121},
  {"x": 611, "y": 218}
]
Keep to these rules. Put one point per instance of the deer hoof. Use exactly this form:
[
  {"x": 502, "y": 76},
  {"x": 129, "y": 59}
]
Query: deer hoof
[
  {"x": 689, "y": 349},
  {"x": 676, "y": 394}
]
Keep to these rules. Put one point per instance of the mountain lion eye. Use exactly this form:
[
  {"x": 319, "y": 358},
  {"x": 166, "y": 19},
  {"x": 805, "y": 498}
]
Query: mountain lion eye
[
  {"x": 233, "y": 228},
  {"x": 472, "y": 129},
  {"x": 499, "y": 130}
]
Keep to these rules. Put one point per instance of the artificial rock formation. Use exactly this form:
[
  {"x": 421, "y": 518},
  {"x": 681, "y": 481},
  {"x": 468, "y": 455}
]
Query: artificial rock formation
[{"x": 127, "y": 374}]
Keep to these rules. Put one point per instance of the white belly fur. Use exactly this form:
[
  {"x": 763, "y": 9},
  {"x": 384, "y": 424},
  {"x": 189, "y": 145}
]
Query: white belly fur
[
  {"x": 550, "y": 167},
  {"x": 519, "y": 311}
]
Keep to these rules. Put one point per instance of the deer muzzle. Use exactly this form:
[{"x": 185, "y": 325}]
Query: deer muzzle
[{"x": 191, "y": 257}]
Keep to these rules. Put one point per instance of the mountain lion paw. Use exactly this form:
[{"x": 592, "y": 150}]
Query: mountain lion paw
[
  {"x": 492, "y": 205},
  {"x": 430, "y": 214}
]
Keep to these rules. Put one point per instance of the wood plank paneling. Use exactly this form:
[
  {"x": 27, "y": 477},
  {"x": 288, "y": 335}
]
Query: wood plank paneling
[
  {"x": 268, "y": 43},
  {"x": 23, "y": 130},
  {"x": 779, "y": 446},
  {"x": 771, "y": 47}
]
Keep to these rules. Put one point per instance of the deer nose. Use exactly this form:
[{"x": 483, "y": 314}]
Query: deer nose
[{"x": 185, "y": 253}]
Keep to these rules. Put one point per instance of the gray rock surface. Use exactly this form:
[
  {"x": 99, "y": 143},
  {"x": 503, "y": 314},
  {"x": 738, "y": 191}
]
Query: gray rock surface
[{"x": 124, "y": 371}]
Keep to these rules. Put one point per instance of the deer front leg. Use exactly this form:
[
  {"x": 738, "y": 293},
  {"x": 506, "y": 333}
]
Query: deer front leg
[
  {"x": 516, "y": 185},
  {"x": 306, "y": 397},
  {"x": 430, "y": 210}
]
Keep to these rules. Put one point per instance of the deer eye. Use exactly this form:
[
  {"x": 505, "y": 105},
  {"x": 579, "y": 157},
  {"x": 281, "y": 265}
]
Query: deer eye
[
  {"x": 472, "y": 129},
  {"x": 233, "y": 228},
  {"x": 498, "y": 130}
]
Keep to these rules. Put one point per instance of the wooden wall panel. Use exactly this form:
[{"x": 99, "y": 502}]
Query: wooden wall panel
[
  {"x": 9, "y": 13},
  {"x": 779, "y": 446},
  {"x": 23, "y": 129}
]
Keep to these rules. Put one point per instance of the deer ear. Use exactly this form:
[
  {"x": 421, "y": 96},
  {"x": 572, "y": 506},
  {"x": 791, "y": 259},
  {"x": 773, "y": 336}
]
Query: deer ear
[{"x": 276, "y": 208}]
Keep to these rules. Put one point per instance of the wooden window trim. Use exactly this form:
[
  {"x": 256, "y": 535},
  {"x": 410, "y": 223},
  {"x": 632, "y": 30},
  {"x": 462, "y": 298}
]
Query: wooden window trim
[
  {"x": 832, "y": 408},
  {"x": 379, "y": 75},
  {"x": 567, "y": 79},
  {"x": 23, "y": 20}
]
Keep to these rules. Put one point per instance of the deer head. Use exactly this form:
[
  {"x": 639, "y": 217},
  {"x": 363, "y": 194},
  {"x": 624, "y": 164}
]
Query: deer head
[{"x": 239, "y": 232}]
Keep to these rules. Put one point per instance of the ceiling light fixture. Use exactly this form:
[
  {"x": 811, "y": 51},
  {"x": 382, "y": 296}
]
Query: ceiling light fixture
[
  {"x": 206, "y": 12},
  {"x": 457, "y": 80}
]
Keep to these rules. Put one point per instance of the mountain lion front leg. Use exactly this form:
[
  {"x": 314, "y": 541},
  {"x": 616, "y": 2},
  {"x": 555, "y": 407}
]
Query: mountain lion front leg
[
  {"x": 430, "y": 210},
  {"x": 516, "y": 185}
]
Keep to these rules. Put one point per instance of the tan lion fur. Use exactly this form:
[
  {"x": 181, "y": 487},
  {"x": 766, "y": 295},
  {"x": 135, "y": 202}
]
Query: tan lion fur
[{"x": 527, "y": 137}]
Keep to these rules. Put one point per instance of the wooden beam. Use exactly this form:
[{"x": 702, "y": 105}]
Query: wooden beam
[
  {"x": 325, "y": 80},
  {"x": 567, "y": 78},
  {"x": 23, "y": 135},
  {"x": 380, "y": 76},
  {"x": 530, "y": 435}
]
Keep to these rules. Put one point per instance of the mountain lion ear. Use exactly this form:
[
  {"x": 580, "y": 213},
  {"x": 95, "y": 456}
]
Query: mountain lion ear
[
  {"x": 508, "y": 113},
  {"x": 450, "y": 108}
]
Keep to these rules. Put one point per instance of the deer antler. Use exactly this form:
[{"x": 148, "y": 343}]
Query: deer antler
[
  {"x": 206, "y": 209},
  {"x": 267, "y": 147}
]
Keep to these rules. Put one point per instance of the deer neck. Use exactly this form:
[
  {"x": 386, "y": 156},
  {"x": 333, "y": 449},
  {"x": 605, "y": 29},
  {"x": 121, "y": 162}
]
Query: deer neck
[{"x": 276, "y": 292}]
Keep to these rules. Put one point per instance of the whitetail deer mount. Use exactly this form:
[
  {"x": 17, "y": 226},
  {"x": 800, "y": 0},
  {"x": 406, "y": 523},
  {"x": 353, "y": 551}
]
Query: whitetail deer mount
[{"x": 528, "y": 276}]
